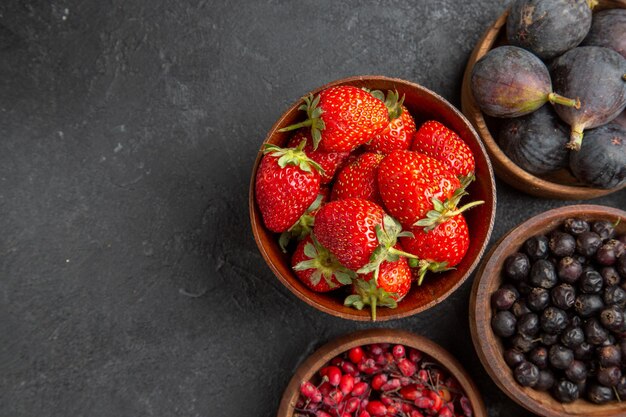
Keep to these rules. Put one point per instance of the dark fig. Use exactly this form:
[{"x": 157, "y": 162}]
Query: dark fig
[
  {"x": 596, "y": 76},
  {"x": 548, "y": 28},
  {"x": 607, "y": 29},
  {"x": 601, "y": 161},
  {"x": 510, "y": 82},
  {"x": 536, "y": 142}
]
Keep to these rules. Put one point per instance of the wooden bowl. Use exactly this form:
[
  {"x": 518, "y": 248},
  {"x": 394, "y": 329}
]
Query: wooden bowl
[
  {"x": 489, "y": 347},
  {"x": 562, "y": 184},
  {"x": 423, "y": 105},
  {"x": 319, "y": 358}
]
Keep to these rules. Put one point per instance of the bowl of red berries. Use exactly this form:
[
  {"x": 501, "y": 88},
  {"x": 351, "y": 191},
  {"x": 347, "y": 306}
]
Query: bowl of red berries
[
  {"x": 372, "y": 198},
  {"x": 381, "y": 372},
  {"x": 548, "y": 312}
]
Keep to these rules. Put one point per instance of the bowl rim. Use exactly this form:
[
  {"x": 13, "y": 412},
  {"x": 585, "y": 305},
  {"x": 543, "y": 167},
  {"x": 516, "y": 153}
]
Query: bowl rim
[
  {"x": 490, "y": 353},
  {"x": 388, "y": 314},
  {"x": 307, "y": 369},
  {"x": 504, "y": 167}
]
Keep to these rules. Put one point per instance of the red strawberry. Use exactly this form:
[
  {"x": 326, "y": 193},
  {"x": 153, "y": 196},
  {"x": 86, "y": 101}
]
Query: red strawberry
[
  {"x": 303, "y": 227},
  {"x": 287, "y": 182},
  {"x": 392, "y": 285},
  {"x": 329, "y": 161},
  {"x": 398, "y": 133},
  {"x": 409, "y": 182},
  {"x": 358, "y": 179},
  {"x": 437, "y": 141},
  {"x": 446, "y": 244},
  {"x": 358, "y": 233},
  {"x": 342, "y": 118},
  {"x": 317, "y": 268}
]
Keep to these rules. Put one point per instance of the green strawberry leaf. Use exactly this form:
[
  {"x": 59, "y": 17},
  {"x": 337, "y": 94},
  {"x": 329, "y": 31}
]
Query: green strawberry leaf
[
  {"x": 310, "y": 251},
  {"x": 343, "y": 277}
]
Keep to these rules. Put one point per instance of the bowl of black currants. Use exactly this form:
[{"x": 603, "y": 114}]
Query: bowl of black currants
[{"x": 548, "y": 312}]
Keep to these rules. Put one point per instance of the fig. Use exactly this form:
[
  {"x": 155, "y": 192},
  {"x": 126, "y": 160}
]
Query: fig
[
  {"x": 536, "y": 142},
  {"x": 548, "y": 28},
  {"x": 601, "y": 161},
  {"x": 608, "y": 29},
  {"x": 510, "y": 82},
  {"x": 597, "y": 77}
]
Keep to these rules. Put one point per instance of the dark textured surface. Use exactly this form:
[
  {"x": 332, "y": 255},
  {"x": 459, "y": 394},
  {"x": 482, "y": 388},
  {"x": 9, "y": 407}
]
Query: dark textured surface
[{"x": 130, "y": 284}]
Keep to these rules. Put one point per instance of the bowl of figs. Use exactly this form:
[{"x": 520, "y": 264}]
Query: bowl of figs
[
  {"x": 381, "y": 372},
  {"x": 545, "y": 88},
  {"x": 372, "y": 198},
  {"x": 548, "y": 312}
]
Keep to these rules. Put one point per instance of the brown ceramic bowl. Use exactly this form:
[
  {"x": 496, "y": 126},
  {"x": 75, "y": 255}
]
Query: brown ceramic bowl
[
  {"x": 490, "y": 348},
  {"x": 560, "y": 185},
  {"x": 423, "y": 105},
  {"x": 319, "y": 358}
]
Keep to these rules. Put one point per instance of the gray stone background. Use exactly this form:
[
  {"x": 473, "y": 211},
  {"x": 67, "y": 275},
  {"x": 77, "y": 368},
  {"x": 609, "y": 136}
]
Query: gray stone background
[{"x": 128, "y": 130}]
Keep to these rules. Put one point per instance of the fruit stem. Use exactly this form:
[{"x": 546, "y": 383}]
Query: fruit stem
[
  {"x": 373, "y": 308},
  {"x": 398, "y": 252},
  {"x": 555, "y": 98},
  {"x": 592, "y": 3},
  {"x": 289, "y": 128},
  {"x": 466, "y": 207},
  {"x": 576, "y": 138}
]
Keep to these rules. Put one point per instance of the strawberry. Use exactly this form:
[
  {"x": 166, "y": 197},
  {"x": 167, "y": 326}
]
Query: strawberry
[
  {"x": 303, "y": 227},
  {"x": 392, "y": 285},
  {"x": 446, "y": 244},
  {"x": 399, "y": 132},
  {"x": 317, "y": 268},
  {"x": 329, "y": 161},
  {"x": 437, "y": 141},
  {"x": 358, "y": 179},
  {"x": 287, "y": 182},
  {"x": 342, "y": 118},
  {"x": 358, "y": 233},
  {"x": 409, "y": 182}
]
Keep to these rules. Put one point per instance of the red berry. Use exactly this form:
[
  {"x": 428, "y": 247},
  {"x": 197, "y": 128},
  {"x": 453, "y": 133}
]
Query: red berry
[
  {"x": 329, "y": 161},
  {"x": 407, "y": 367},
  {"x": 333, "y": 398},
  {"x": 378, "y": 381},
  {"x": 415, "y": 413},
  {"x": 355, "y": 354},
  {"x": 437, "y": 400},
  {"x": 346, "y": 384},
  {"x": 358, "y": 179},
  {"x": 410, "y": 392},
  {"x": 398, "y": 134},
  {"x": 364, "y": 413},
  {"x": 322, "y": 413},
  {"x": 398, "y": 351},
  {"x": 422, "y": 375},
  {"x": 415, "y": 355},
  {"x": 445, "y": 412},
  {"x": 311, "y": 392},
  {"x": 349, "y": 368},
  {"x": 360, "y": 388},
  {"x": 333, "y": 374},
  {"x": 423, "y": 403},
  {"x": 325, "y": 388},
  {"x": 352, "y": 404},
  {"x": 380, "y": 360},
  {"x": 368, "y": 366},
  {"x": 377, "y": 408},
  {"x": 391, "y": 385}
]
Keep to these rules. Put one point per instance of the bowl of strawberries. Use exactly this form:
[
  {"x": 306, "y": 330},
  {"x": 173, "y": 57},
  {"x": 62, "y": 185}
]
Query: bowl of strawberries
[{"x": 372, "y": 198}]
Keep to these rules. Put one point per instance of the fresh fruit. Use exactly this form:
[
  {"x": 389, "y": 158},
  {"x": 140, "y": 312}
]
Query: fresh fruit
[
  {"x": 445, "y": 245},
  {"x": 358, "y": 233},
  {"x": 573, "y": 335},
  {"x": 536, "y": 142},
  {"x": 392, "y": 285},
  {"x": 410, "y": 183},
  {"x": 437, "y": 141},
  {"x": 607, "y": 29},
  {"x": 412, "y": 385},
  {"x": 287, "y": 182},
  {"x": 398, "y": 133},
  {"x": 510, "y": 82},
  {"x": 317, "y": 268},
  {"x": 596, "y": 76},
  {"x": 329, "y": 161},
  {"x": 359, "y": 179},
  {"x": 601, "y": 161},
  {"x": 342, "y": 118},
  {"x": 548, "y": 28},
  {"x": 303, "y": 227}
]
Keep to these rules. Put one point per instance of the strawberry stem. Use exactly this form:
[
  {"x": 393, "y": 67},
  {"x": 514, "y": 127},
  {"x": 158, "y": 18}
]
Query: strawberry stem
[
  {"x": 398, "y": 252},
  {"x": 306, "y": 123}
]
